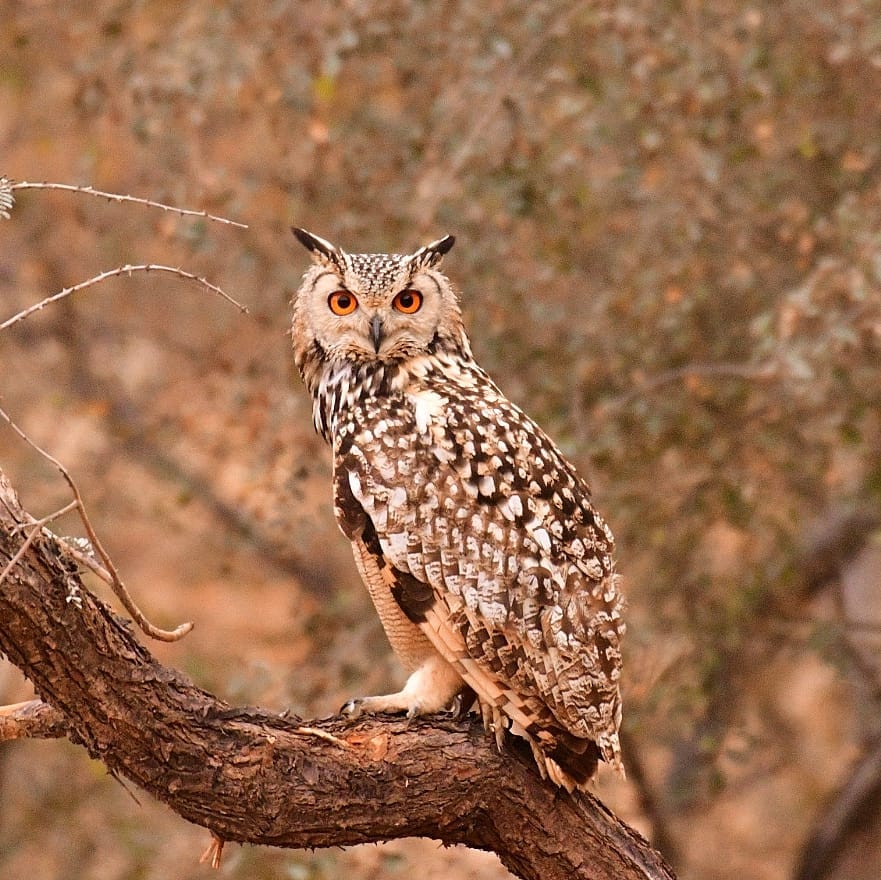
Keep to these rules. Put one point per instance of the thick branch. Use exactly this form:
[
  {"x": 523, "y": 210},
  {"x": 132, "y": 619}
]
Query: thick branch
[{"x": 256, "y": 777}]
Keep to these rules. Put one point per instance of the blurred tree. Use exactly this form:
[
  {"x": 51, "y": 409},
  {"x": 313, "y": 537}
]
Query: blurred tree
[{"x": 668, "y": 217}]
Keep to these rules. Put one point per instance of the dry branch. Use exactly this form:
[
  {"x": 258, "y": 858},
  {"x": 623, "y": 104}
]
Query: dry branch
[
  {"x": 8, "y": 186},
  {"x": 113, "y": 273},
  {"x": 31, "y": 720},
  {"x": 253, "y": 776},
  {"x": 107, "y": 572}
]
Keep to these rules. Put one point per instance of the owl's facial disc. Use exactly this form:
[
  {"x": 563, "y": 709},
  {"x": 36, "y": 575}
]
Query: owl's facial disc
[{"x": 352, "y": 319}]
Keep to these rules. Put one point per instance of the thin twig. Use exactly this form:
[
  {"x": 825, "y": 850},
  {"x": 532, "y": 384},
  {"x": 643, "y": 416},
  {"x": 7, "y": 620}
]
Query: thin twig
[
  {"x": 37, "y": 525},
  {"x": 116, "y": 583},
  {"x": 111, "y": 273},
  {"x": 116, "y": 197},
  {"x": 19, "y": 553},
  {"x": 85, "y": 559}
]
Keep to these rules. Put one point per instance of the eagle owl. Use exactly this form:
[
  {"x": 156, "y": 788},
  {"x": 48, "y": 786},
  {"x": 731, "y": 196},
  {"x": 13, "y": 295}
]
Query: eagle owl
[{"x": 490, "y": 569}]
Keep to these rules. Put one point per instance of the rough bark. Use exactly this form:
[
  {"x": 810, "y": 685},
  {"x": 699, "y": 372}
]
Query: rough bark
[{"x": 252, "y": 776}]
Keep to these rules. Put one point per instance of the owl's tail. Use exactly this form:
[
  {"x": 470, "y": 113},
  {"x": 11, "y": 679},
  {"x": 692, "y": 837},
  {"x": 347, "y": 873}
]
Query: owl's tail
[
  {"x": 570, "y": 761},
  {"x": 572, "y": 767},
  {"x": 567, "y": 760}
]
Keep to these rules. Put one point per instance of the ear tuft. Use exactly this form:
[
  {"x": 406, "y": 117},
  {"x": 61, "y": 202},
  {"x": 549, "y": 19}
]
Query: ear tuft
[
  {"x": 433, "y": 253},
  {"x": 322, "y": 250}
]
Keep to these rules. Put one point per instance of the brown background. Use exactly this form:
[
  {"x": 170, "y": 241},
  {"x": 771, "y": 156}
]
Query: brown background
[{"x": 669, "y": 247}]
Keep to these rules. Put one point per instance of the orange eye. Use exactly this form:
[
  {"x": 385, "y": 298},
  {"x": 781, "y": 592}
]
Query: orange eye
[
  {"x": 341, "y": 302},
  {"x": 408, "y": 301}
]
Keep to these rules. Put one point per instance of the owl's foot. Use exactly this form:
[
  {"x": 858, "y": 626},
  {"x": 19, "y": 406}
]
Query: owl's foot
[
  {"x": 388, "y": 703},
  {"x": 429, "y": 689}
]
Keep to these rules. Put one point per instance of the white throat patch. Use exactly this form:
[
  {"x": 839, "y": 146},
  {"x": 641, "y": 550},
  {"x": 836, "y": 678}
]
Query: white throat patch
[{"x": 427, "y": 406}]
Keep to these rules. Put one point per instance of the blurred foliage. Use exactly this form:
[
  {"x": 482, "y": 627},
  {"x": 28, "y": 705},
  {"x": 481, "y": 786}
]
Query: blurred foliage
[{"x": 668, "y": 221}]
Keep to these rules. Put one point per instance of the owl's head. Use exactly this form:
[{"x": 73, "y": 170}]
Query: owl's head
[{"x": 375, "y": 307}]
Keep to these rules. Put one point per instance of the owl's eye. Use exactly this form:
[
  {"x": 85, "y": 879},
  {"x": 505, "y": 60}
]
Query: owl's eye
[
  {"x": 408, "y": 301},
  {"x": 341, "y": 302}
]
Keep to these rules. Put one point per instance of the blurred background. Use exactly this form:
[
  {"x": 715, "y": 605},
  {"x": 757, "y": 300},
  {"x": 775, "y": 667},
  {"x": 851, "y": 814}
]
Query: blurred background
[{"x": 668, "y": 222}]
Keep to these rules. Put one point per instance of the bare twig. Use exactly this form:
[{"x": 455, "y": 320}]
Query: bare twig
[
  {"x": 115, "y": 581},
  {"x": 33, "y": 719},
  {"x": 111, "y": 273},
  {"x": 37, "y": 525},
  {"x": 116, "y": 197},
  {"x": 84, "y": 558},
  {"x": 21, "y": 552}
]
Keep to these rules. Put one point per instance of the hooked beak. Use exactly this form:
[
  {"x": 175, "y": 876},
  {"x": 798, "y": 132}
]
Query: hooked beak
[{"x": 376, "y": 332}]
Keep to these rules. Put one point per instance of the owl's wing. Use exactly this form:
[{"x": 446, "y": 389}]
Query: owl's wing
[
  {"x": 478, "y": 505},
  {"x": 409, "y": 609}
]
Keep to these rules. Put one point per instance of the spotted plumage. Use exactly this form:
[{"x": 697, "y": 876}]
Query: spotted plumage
[{"x": 489, "y": 566}]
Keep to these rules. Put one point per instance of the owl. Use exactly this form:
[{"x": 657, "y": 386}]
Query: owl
[{"x": 477, "y": 540}]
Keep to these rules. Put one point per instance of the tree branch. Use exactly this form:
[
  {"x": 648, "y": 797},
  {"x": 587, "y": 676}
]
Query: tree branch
[
  {"x": 31, "y": 720},
  {"x": 252, "y": 776},
  {"x": 8, "y": 186},
  {"x": 129, "y": 270}
]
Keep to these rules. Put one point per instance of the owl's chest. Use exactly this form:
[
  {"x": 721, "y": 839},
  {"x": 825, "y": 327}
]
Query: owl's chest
[
  {"x": 392, "y": 434},
  {"x": 422, "y": 444}
]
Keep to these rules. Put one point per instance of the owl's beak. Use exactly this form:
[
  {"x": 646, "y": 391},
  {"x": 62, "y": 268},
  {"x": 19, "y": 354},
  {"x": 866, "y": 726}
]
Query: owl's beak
[{"x": 376, "y": 332}]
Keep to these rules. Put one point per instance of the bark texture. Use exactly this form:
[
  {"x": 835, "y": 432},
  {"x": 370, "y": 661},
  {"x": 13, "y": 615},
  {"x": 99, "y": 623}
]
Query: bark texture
[{"x": 252, "y": 776}]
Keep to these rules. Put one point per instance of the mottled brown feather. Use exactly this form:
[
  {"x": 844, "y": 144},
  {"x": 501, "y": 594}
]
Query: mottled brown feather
[{"x": 468, "y": 524}]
